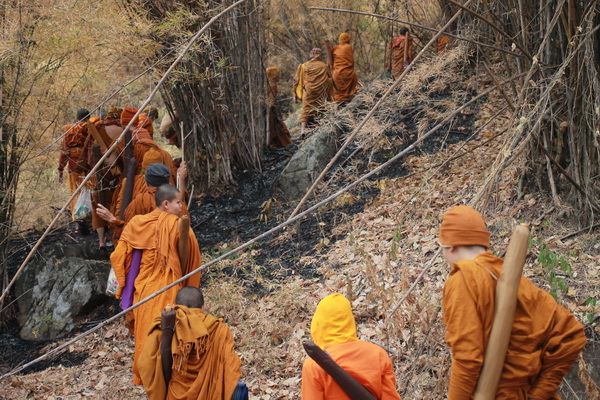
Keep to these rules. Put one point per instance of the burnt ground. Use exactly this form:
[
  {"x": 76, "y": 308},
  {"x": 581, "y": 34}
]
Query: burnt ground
[{"x": 223, "y": 221}]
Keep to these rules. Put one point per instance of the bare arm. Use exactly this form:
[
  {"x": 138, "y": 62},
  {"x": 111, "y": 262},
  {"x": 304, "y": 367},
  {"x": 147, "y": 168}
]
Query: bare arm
[{"x": 167, "y": 324}]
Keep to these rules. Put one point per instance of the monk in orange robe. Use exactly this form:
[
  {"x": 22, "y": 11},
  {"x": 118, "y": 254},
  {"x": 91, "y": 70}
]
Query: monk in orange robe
[
  {"x": 157, "y": 234},
  {"x": 313, "y": 78},
  {"x": 333, "y": 329},
  {"x": 279, "y": 135},
  {"x": 400, "y": 53},
  {"x": 442, "y": 43},
  {"x": 189, "y": 353},
  {"x": 74, "y": 153},
  {"x": 345, "y": 81},
  {"x": 545, "y": 340}
]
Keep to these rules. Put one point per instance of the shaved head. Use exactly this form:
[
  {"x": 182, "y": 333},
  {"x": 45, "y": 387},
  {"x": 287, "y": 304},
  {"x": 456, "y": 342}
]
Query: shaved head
[
  {"x": 165, "y": 193},
  {"x": 190, "y": 297}
]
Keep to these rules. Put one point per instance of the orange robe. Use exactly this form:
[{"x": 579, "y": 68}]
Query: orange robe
[
  {"x": 442, "y": 43},
  {"x": 366, "y": 362},
  {"x": 145, "y": 122},
  {"x": 397, "y": 49},
  {"x": 157, "y": 233},
  {"x": 545, "y": 340},
  {"x": 208, "y": 370},
  {"x": 345, "y": 81},
  {"x": 279, "y": 135},
  {"x": 316, "y": 88}
]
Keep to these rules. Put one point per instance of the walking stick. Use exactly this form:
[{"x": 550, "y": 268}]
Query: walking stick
[{"x": 507, "y": 288}]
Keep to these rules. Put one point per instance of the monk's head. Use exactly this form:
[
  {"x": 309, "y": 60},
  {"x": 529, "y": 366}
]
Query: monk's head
[
  {"x": 190, "y": 296},
  {"x": 463, "y": 234},
  {"x": 315, "y": 53},
  {"x": 83, "y": 115},
  {"x": 403, "y": 31},
  {"x": 156, "y": 174},
  {"x": 333, "y": 322},
  {"x": 344, "y": 38},
  {"x": 169, "y": 199},
  {"x": 153, "y": 156}
]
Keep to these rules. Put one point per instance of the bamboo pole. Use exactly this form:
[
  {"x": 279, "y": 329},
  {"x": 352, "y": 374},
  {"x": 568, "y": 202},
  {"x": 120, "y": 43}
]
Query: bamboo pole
[
  {"x": 184, "y": 50},
  {"x": 371, "y": 113},
  {"x": 507, "y": 288}
]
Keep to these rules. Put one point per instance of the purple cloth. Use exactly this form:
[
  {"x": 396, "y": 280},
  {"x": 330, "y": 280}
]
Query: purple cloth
[{"x": 134, "y": 270}]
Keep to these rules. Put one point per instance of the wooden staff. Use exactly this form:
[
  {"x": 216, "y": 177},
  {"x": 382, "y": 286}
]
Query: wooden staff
[
  {"x": 102, "y": 194},
  {"x": 507, "y": 288},
  {"x": 128, "y": 192},
  {"x": 353, "y": 389},
  {"x": 184, "y": 242},
  {"x": 182, "y": 146}
]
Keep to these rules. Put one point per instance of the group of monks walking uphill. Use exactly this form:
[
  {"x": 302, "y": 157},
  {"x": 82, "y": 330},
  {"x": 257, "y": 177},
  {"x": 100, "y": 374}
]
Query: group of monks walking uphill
[{"x": 182, "y": 352}]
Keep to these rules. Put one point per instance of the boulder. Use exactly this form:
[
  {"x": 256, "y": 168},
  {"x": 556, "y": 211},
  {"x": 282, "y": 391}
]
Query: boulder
[
  {"x": 62, "y": 289},
  {"x": 308, "y": 162}
]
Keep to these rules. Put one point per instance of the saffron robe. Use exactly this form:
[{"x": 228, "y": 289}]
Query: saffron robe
[
  {"x": 205, "y": 366},
  {"x": 333, "y": 328},
  {"x": 397, "y": 48},
  {"x": 279, "y": 135},
  {"x": 344, "y": 77},
  {"x": 316, "y": 88},
  {"x": 157, "y": 234},
  {"x": 545, "y": 339}
]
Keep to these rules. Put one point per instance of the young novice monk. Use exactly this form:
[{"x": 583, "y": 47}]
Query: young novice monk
[
  {"x": 333, "y": 329},
  {"x": 545, "y": 340},
  {"x": 156, "y": 234}
]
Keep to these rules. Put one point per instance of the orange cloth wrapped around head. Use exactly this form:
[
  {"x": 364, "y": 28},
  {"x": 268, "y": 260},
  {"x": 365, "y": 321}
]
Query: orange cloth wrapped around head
[
  {"x": 463, "y": 226},
  {"x": 344, "y": 38},
  {"x": 152, "y": 156},
  {"x": 127, "y": 114}
]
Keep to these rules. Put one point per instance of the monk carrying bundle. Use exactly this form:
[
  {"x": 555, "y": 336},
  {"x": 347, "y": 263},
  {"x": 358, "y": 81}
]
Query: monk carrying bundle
[
  {"x": 545, "y": 339},
  {"x": 189, "y": 354},
  {"x": 333, "y": 329}
]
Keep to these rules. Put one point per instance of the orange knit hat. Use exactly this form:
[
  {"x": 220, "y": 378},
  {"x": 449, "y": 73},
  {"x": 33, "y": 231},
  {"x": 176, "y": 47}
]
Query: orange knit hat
[
  {"x": 127, "y": 114},
  {"x": 152, "y": 156},
  {"x": 463, "y": 226}
]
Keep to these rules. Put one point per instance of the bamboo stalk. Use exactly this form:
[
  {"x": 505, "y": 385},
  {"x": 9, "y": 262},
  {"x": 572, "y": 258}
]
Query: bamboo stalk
[{"x": 507, "y": 288}]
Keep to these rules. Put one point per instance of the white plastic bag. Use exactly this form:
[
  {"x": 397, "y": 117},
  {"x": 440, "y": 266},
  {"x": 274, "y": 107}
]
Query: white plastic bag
[
  {"x": 83, "y": 207},
  {"x": 112, "y": 285}
]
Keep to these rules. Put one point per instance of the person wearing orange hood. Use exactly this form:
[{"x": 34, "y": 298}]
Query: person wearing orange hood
[
  {"x": 333, "y": 329},
  {"x": 545, "y": 340},
  {"x": 313, "y": 87},
  {"x": 345, "y": 81},
  {"x": 152, "y": 240},
  {"x": 400, "y": 53},
  {"x": 189, "y": 354}
]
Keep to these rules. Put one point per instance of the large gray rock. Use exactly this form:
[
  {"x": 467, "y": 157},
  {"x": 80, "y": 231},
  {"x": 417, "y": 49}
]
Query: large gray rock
[
  {"x": 308, "y": 162},
  {"x": 61, "y": 290}
]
